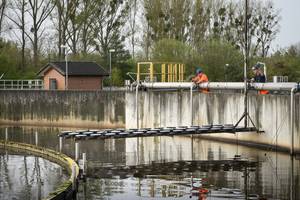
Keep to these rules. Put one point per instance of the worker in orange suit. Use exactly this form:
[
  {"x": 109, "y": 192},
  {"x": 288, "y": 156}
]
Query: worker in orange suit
[
  {"x": 259, "y": 77},
  {"x": 200, "y": 78}
]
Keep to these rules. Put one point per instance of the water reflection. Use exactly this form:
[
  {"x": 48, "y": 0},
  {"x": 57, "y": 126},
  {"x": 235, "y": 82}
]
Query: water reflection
[
  {"x": 27, "y": 177},
  {"x": 271, "y": 177}
]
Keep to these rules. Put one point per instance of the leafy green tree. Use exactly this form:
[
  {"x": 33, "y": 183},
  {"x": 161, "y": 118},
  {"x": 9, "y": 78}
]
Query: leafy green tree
[
  {"x": 9, "y": 60},
  {"x": 284, "y": 63},
  {"x": 171, "y": 50},
  {"x": 117, "y": 79},
  {"x": 216, "y": 55}
]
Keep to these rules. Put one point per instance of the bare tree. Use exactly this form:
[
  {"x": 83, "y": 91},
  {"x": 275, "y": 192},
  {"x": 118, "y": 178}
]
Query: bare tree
[
  {"x": 16, "y": 15},
  {"x": 86, "y": 19},
  {"x": 39, "y": 11},
  {"x": 73, "y": 27},
  {"x": 200, "y": 20},
  {"x": 3, "y": 5},
  {"x": 266, "y": 20},
  {"x": 133, "y": 24},
  {"x": 111, "y": 17},
  {"x": 60, "y": 22}
]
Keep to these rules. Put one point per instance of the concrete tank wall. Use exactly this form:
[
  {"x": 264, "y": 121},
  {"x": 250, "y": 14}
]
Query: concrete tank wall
[
  {"x": 270, "y": 113},
  {"x": 88, "y": 109}
]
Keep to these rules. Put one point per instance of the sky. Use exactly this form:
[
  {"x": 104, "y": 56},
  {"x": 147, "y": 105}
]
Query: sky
[{"x": 289, "y": 25}]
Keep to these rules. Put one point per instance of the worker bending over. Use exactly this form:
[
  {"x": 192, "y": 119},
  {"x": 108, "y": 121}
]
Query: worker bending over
[
  {"x": 259, "y": 77},
  {"x": 200, "y": 78}
]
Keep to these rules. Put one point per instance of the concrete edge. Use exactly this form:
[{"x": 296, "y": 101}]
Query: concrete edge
[
  {"x": 55, "y": 124},
  {"x": 262, "y": 146},
  {"x": 48, "y": 154}
]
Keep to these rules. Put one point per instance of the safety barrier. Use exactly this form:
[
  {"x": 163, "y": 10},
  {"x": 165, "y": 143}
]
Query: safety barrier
[
  {"x": 66, "y": 189},
  {"x": 34, "y": 84}
]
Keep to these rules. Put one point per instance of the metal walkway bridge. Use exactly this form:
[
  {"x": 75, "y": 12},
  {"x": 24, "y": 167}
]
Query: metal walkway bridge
[{"x": 150, "y": 132}]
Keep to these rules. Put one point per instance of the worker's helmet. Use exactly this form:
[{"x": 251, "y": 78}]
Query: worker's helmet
[
  {"x": 256, "y": 66},
  {"x": 198, "y": 70}
]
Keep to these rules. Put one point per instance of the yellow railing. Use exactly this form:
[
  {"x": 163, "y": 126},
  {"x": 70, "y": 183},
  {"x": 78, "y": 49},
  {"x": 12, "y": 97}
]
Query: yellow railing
[{"x": 160, "y": 71}]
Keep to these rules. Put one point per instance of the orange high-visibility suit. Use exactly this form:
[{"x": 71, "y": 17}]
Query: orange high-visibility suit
[{"x": 201, "y": 78}]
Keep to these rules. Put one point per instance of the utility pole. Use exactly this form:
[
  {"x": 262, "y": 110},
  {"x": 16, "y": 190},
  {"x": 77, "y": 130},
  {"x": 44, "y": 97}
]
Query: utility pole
[
  {"x": 66, "y": 59},
  {"x": 245, "y": 66},
  {"x": 110, "y": 81}
]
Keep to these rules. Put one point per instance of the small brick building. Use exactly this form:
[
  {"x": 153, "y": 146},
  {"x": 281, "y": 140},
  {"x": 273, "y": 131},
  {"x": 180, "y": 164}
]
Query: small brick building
[{"x": 81, "y": 76}]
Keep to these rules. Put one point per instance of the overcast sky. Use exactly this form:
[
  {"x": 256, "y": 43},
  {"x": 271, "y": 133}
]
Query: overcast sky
[{"x": 289, "y": 24}]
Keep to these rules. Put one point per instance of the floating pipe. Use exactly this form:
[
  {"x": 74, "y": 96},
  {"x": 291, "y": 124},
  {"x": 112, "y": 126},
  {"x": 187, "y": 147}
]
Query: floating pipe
[{"x": 287, "y": 86}]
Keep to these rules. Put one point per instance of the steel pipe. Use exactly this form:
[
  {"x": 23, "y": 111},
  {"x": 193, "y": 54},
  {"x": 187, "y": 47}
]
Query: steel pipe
[
  {"x": 287, "y": 86},
  {"x": 274, "y": 86},
  {"x": 256, "y": 86},
  {"x": 168, "y": 85}
]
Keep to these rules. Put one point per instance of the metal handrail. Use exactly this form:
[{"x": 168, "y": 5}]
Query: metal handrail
[{"x": 29, "y": 84}]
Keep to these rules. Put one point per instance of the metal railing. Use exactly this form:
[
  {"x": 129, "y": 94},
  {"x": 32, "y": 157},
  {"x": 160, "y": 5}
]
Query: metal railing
[{"x": 33, "y": 84}]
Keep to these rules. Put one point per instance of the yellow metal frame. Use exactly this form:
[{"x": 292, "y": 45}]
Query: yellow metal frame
[{"x": 167, "y": 71}]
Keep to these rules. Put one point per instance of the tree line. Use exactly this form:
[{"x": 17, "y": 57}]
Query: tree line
[{"x": 206, "y": 33}]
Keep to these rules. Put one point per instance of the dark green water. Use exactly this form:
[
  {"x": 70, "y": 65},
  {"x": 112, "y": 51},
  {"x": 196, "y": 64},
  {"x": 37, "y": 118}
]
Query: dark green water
[{"x": 161, "y": 167}]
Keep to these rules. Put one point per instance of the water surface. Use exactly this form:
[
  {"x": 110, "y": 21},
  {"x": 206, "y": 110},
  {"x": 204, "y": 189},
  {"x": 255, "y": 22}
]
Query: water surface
[
  {"x": 161, "y": 167},
  {"x": 27, "y": 176}
]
